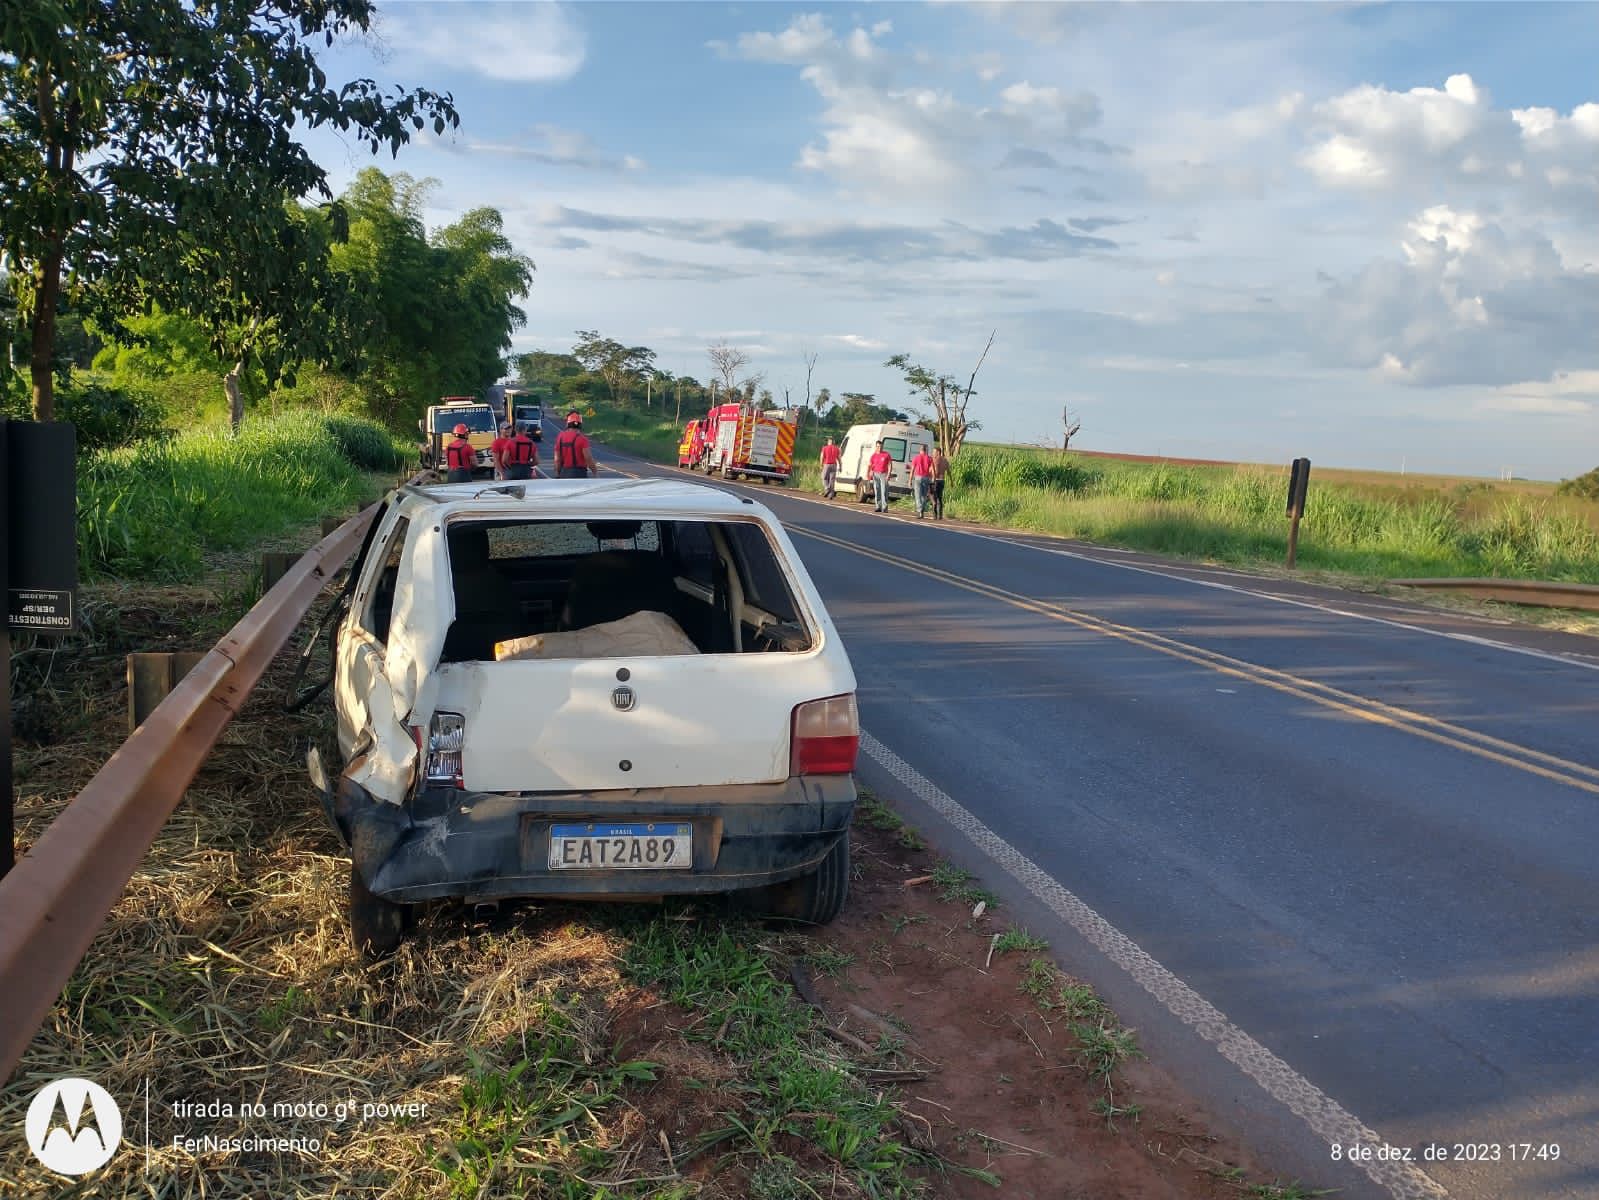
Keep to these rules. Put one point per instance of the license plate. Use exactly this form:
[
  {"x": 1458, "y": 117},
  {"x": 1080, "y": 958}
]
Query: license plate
[{"x": 636, "y": 846}]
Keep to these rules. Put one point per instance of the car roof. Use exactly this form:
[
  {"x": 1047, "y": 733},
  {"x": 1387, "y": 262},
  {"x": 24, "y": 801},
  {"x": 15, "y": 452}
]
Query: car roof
[{"x": 667, "y": 499}]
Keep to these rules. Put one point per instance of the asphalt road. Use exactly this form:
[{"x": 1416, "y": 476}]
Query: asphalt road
[{"x": 1367, "y": 833}]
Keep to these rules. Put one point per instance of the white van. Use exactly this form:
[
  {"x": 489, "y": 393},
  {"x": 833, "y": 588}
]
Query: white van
[{"x": 901, "y": 440}]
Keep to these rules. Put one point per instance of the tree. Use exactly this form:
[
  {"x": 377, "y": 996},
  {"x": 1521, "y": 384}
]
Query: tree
[
  {"x": 149, "y": 149},
  {"x": 1069, "y": 429},
  {"x": 727, "y": 362},
  {"x": 946, "y": 398},
  {"x": 617, "y": 365},
  {"x": 541, "y": 368},
  {"x": 430, "y": 316}
]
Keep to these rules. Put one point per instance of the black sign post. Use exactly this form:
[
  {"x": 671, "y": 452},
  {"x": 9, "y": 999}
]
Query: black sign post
[
  {"x": 1298, "y": 484},
  {"x": 38, "y": 566}
]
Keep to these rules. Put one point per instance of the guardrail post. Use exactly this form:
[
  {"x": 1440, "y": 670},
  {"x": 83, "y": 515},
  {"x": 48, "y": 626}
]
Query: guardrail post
[
  {"x": 152, "y": 676},
  {"x": 274, "y": 566},
  {"x": 329, "y": 524}
]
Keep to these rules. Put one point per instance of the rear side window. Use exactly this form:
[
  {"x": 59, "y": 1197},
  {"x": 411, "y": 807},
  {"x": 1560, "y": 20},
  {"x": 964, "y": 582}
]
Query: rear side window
[
  {"x": 895, "y": 448},
  {"x": 380, "y": 604},
  {"x": 765, "y": 585}
]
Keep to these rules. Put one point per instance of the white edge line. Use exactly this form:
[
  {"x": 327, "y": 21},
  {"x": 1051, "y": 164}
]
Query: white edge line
[{"x": 1325, "y": 1117}]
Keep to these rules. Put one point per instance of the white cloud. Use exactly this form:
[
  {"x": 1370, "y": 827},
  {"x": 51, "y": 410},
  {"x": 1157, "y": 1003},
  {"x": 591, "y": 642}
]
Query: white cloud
[
  {"x": 538, "y": 42},
  {"x": 545, "y": 144},
  {"x": 1427, "y": 137},
  {"x": 1474, "y": 302},
  {"x": 857, "y": 341},
  {"x": 1569, "y": 393},
  {"x": 898, "y": 139}
]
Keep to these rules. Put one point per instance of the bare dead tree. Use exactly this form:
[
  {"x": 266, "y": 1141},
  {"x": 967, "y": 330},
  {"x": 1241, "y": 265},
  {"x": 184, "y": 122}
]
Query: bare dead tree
[
  {"x": 727, "y": 361},
  {"x": 1070, "y": 428}
]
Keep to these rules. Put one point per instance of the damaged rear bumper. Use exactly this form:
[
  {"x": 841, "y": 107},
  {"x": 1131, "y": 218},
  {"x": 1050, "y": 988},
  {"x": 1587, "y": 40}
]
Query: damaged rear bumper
[{"x": 490, "y": 845}]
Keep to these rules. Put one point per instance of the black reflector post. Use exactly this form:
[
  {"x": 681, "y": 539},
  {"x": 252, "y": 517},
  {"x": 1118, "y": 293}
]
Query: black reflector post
[
  {"x": 39, "y": 565},
  {"x": 1298, "y": 484}
]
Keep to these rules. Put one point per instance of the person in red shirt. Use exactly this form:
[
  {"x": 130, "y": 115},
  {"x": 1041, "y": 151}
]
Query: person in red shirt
[
  {"x": 498, "y": 447},
  {"x": 830, "y": 456},
  {"x": 521, "y": 455},
  {"x": 459, "y": 457},
  {"x": 921, "y": 479},
  {"x": 573, "y": 458},
  {"x": 696, "y": 447},
  {"x": 879, "y": 465}
]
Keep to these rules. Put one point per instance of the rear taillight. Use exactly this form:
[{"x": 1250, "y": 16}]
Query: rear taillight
[
  {"x": 826, "y": 737},
  {"x": 442, "y": 754}
]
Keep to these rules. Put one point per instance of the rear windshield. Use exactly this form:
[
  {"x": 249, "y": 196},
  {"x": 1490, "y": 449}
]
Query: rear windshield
[
  {"x": 895, "y": 448},
  {"x": 478, "y": 420},
  {"x": 527, "y": 412},
  {"x": 706, "y": 587}
]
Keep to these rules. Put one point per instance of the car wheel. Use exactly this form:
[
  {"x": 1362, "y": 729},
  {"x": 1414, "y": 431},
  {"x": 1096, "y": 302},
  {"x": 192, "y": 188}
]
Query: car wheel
[
  {"x": 813, "y": 899},
  {"x": 376, "y": 924}
]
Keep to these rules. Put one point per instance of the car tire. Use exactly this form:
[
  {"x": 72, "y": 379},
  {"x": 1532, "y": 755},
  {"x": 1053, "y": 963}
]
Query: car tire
[
  {"x": 376, "y": 925},
  {"x": 813, "y": 899}
]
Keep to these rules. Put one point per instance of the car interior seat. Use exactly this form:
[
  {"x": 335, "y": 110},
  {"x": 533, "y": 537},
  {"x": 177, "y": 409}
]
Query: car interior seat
[
  {"x": 612, "y": 584},
  {"x": 486, "y": 607}
]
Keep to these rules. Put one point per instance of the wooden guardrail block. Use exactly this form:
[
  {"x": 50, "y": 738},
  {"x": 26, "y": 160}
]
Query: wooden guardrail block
[
  {"x": 275, "y": 565},
  {"x": 152, "y": 676},
  {"x": 329, "y": 524}
]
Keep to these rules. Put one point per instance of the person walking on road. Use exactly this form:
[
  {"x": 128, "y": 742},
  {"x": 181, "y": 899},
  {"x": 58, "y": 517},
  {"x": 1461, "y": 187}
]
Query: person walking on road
[
  {"x": 459, "y": 457},
  {"x": 830, "y": 456},
  {"x": 880, "y": 464},
  {"x": 940, "y": 470},
  {"x": 521, "y": 455},
  {"x": 497, "y": 449},
  {"x": 573, "y": 457},
  {"x": 921, "y": 480}
]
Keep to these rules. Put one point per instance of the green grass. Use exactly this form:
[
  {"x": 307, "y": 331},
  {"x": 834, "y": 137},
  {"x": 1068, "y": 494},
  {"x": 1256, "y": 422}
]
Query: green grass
[
  {"x": 1018, "y": 939},
  {"x": 154, "y": 509},
  {"x": 1235, "y": 514},
  {"x": 955, "y": 883},
  {"x": 871, "y": 811}
]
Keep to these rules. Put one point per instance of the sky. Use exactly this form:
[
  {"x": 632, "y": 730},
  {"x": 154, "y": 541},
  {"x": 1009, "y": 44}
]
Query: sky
[{"x": 1367, "y": 234}]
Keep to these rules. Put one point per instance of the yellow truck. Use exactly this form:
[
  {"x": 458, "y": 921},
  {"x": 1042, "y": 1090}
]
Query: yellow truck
[{"x": 437, "y": 429}]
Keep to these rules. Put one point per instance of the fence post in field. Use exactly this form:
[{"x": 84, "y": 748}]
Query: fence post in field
[{"x": 1298, "y": 483}]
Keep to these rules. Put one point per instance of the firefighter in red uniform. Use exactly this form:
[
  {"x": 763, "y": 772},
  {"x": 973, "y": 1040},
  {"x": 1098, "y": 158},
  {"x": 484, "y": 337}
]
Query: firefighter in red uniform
[
  {"x": 459, "y": 457},
  {"x": 520, "y": 455},
  {"x": 573, "y": 458}
]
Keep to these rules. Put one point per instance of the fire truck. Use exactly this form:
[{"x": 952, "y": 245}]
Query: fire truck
[{"x": 741, "y": 440}]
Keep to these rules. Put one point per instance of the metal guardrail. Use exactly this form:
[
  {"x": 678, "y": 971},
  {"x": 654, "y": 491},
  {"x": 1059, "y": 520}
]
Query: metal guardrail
[
  {"x": 58, "y": 895},
  {"x": 1539, "y": 593}
]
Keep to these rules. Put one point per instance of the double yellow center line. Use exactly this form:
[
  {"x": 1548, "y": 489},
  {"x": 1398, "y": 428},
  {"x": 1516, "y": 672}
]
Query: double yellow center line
[{"x": 1523, "y": 758}]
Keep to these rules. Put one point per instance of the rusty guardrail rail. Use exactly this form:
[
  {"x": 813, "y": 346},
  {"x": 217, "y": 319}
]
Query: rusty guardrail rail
[
  {"x": 1540, "y": 593},
  {"x": 55, "y": 899}
]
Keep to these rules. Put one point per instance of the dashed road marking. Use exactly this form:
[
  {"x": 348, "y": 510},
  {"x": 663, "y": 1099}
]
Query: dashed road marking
[{"x": 1327, "y": 1119}]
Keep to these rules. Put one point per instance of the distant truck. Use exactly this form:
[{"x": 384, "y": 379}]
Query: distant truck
[
  {"x": 741, "y": 441},
  {"x": 901, "y": 440},
  {"x": 524, "y": 408},
  {"x": 437, "y": 429}
]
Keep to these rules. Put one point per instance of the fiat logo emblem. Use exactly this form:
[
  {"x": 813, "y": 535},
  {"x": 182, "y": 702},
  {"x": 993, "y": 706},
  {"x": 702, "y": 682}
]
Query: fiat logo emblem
[{"x": 622, "y": 699}]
